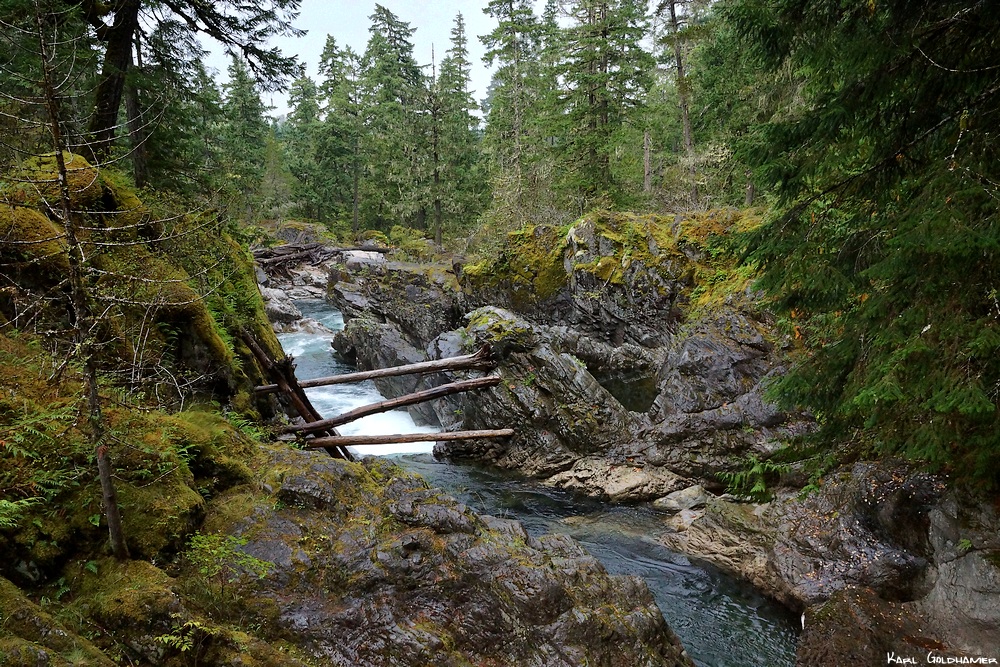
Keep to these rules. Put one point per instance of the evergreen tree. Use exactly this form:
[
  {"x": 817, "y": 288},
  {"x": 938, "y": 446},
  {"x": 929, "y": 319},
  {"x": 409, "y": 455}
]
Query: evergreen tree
[
  {"x": 458, "y": 176},
  {"x": 607, "y": 76},
  {"x": 395, "y": 147},
  {"x": 302, "y": 149},
  {"x": 242, "y": 28},
  {"x": 512, "y": 127},
  {"x": 885, "y": 247},
  {"x": 244, "y": 135},
  {"x": 174, "y": 113},
  {"x": 343, "y": 131}
]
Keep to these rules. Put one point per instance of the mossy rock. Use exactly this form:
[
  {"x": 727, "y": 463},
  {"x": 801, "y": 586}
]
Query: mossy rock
[
  {"x": 31, "y": 636},
  {"x": 32, "y": 241},
  {"x": 530, "y": 265},
  {"x": 503, "y": 330},
  {"x": 37, "y": 182}
]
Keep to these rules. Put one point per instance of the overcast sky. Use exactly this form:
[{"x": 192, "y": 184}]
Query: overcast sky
[{"x": 347, "y": 21}]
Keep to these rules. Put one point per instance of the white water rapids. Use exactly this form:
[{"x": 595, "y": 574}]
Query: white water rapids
[{"x": 314, "y": 358}]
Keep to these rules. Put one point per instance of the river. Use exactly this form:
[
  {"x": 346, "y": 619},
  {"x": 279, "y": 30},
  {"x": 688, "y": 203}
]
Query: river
[{"x": 721, "y": 622}]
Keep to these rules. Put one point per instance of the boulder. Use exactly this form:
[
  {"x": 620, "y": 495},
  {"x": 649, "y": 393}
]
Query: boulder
[
  {"x": 412, "y": 577},
  {"x": 690, "y": 498},
  {"x": 279, "y": 307}
]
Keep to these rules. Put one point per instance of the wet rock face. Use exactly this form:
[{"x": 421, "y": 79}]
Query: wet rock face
[
  {"x": 420, "y": 301},
  {"x": 600, "y": 357},
  {"x": 859, "y": 530},
  {"x": 857, "y": 627},
  {"x": 922, "y": 558},
  {"x": 373, "y": 568},
  {"x": 591, "y": 280}
]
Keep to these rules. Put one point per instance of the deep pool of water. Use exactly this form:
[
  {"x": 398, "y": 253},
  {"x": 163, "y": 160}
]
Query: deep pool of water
[{"x": 720, "y": 621}]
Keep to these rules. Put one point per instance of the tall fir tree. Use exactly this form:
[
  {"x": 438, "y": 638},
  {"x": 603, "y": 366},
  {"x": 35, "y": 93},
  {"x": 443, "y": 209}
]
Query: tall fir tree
[
  {"x": 392, "y": 87},
  {"x": 512, "y": 125},
  {"x": 303, "y": 154},
  {"x": 458, "y": 176},
  {"x": 342, "y": 135},
  {"x": 243, "y": 140},
  {"x": 607, "y": 76}
]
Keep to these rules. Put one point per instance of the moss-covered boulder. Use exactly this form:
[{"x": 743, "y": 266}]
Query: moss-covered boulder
[
  {"x": 372, "y": 567},
  {"x": 171, "y": 290}
]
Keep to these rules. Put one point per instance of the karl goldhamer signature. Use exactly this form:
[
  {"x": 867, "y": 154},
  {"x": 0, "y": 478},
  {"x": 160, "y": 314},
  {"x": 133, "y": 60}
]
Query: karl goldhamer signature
[{"x": 933, "y": 659}]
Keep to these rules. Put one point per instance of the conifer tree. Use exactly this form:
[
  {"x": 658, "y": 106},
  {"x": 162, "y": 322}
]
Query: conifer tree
[
  {"x": 302, "y": 136},
  {"x": 343, "y": 131},
  {"x": 242, "y": 28},
  {"x": 175, "y": 114},
  {"x": 607, "y": 76},
  {"x": 512, "y": 123},
  {"x": 884, "y": 249},
  {"x": 459, "y": 180},
  {"x": 393, "y": 92},
  {"x": 244, "y": 134}
]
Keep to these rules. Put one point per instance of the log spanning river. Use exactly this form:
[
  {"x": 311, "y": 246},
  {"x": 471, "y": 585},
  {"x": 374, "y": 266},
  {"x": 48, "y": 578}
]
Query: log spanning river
[{"x": 721, "y": 622}]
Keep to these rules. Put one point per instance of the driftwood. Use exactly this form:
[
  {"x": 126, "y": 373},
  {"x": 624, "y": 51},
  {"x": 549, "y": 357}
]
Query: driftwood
[
  {"x": 392, "y": 404},
  {"x": 295, "y": 253},
  {"x": 351, "y": 440},
  {"x": 284, "y": 375},
  {"x": 480, "y": 361}
]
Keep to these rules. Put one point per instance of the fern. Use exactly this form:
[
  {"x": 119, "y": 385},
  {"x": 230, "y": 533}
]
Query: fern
[{"x": 751, "y": 480}]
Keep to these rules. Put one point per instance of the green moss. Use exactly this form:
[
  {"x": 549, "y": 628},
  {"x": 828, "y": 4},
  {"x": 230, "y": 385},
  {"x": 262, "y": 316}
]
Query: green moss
[
  {"x": 27, "y": 628},
  {"x": 530, "y": 265},
  {"x": 28, "y": 237},
  {"x": 123, "y": 594},
  {"x": 504, "y": 334},
  {"x": 37, "y": 181},
  {"x": 536, "y": 263}
]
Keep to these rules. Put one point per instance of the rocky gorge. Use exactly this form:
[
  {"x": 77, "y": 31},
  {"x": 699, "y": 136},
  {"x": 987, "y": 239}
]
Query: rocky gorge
[
  {"x": 237, "y": 549},
  {"x": 635, "y": 361}
]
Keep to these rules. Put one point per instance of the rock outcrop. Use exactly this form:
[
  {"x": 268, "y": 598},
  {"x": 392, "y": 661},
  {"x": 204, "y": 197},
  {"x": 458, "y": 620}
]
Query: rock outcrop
[
  {"x": 329, "y": 562},
  {"x": 629, "y": 375},
  {"x": 634, "y": 366},
  {"x": 874, "y": 541}
]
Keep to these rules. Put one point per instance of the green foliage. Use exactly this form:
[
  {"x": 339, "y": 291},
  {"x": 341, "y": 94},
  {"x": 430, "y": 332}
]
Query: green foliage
[
  {"x": 244, "y": 136},
  {"x": 884, "y": 247},
  {"x": 752, "y": 479},
  {"x": 221, "y": 565},
  {"x": 11, "y": 512},
  {"x": 606, "y": 72}
]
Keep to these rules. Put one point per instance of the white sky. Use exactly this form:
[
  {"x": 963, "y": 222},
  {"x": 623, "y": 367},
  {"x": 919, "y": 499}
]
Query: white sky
[{"x": 347, "y": 21}]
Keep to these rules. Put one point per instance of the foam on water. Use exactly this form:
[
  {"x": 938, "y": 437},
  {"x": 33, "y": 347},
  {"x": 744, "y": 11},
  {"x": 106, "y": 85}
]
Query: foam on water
[{"x": 314, "y": 358}]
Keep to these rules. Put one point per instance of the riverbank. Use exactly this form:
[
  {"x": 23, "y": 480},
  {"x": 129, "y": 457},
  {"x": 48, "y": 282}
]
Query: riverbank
[{"x": 666, "y": 409}]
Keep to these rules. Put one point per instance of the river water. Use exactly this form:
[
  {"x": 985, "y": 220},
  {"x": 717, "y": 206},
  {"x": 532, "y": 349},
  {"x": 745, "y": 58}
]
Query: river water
[{"x": 720, "y": 621}]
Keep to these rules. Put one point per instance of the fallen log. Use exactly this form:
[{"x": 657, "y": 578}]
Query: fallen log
[
  {"x": 478, "y": 361},
  {"x": 283, "y": 373},
  {"x": 287, "y": 253},
  {"x": 392, "y": 404},
  {"x": 352, "y": 440}
]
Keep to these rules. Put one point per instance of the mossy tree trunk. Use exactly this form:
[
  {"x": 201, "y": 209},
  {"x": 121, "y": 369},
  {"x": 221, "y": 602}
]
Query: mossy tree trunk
[{"x": 83, "y": 316}]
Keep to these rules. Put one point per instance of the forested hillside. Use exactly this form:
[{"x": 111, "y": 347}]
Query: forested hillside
[{"x": 836, "y": 162}]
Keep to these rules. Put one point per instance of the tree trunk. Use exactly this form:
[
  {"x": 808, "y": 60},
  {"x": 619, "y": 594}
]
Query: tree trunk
[
  {"x": 111, "y": 86},
  {"x": 392, "y": 404},
  {"x": 108, "y": 493},
  {"x": 683, "y": 94},
  {"x": 353, "y": 440},
  {"x": 83, "y": 318},
  {"x": 479, "y": 361},
  {"x": 647, "y": 165},
  {"x": 748, "y": 200}
]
